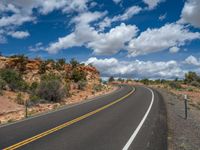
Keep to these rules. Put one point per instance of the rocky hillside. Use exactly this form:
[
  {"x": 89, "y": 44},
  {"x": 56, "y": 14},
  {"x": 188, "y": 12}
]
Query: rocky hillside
[{"x": 32, "y": 69}]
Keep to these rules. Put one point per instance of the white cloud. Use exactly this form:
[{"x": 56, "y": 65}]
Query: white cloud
[
  {"x": 162, "y": 17},
  {"x": 190, "y": 13},
  {"x": 19, "y": 34},
  {"x": 154, "y": 40},
  {"x": 38, "y": 47},
  {"x": 114, "y": 40},
  {"x": 137, "y": 69},
  {"x": 152, "y": 3},
  {"x": 14, "y": 13},
  {"x": 191, "y": 60},
  {"x": 174, "y": 49},
  {"x": 85, "y": 35},
  {"x": 16, "y": 20},
  {"x": 129, "y": 12}
]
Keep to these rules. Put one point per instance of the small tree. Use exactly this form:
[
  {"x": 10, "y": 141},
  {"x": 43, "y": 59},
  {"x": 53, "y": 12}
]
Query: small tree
[
  {"x": 111, "y": 79},
  {"x": 61, "y": 61},
  {"x": 43, "y": 67},
  {"x": 51, "y": 90},
  {"x": 78, "y": 75},
  {"x": 82, "y": 84},
  {"x": 13, "y": 79},
  {"x": 74, "y": 63},
  {"x": 191, "y": 76}
]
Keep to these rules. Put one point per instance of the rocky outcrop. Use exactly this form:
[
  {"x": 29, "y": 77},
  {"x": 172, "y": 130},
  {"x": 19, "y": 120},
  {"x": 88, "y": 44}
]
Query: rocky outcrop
[{"x": 30, "y": 69}]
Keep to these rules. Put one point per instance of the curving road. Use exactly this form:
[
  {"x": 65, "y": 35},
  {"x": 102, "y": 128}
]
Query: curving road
[{"x": 129, "y": 118}]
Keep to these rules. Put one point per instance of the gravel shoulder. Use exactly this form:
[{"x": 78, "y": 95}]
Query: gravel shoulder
[{"x": 182, "y": 134}]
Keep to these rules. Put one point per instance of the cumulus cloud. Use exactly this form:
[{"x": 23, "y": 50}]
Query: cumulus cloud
[
  {"x": 152, "y": 3},
  {"x": 137, "y": 68},
  {"x": 86, "y": 35},
  {"x": 190, "y": 13},
  {"x": 37, "y": 47},
  {"x": 114, "y": 40},
  {"x": 14, "y": 13},
  {"x": 191, "y": 60},
  {"x": 154, "y": 40},
  {"x": 129, "y": 12},
  {"x": 83, "y": 32},
  {"x": 174, "y": 49},
  {"x": 19, "y": 34}
]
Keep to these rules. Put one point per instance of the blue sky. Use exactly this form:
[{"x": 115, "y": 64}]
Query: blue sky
[{"x": 123, "y": 38}]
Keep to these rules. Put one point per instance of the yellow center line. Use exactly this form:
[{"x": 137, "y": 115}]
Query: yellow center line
[{"x": 43, "y": 134}]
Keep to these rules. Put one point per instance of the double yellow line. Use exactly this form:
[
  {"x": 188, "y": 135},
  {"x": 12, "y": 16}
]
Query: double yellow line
[{"x": 43, "y": 134}]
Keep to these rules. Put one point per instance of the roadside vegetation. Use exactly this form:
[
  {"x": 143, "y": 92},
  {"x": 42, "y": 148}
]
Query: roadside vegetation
[{"x": 52, "y": 87}]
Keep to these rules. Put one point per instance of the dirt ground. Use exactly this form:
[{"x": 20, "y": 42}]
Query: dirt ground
[
  {"x": 183, "y": 134},
  {"x": 11, "y": 111}
]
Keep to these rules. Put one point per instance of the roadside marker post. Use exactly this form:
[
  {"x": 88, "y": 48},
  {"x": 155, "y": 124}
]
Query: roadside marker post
[
  {"x": 26, "y": 109},
  {"x": 185, "y": 100}
]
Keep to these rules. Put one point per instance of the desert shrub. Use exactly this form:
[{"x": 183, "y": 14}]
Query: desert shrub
[
  {"x": 98, "y": 87},
  {"x": 33, "y": 87},
  {"x": 190, "y": 89},
  {"x": 78, "y": 75},
  {"x": 34, "y": 98},
  {"x": 21, "y": 63},
  {"x": 61, "y": 61},
  {"x": 51, "y": 89},
  {"x": 145, "y": 81},
  {"x": 191, "y": 76},
  {"x": 111, "y": 79},
  {"x": 82, "y": 84},
  {"x": 50, "y": 61},
  {"x": 195, "y": 83},
  {"x": 2, "y": 85},
  {"x": 13, "y": 79},
  {"x": 20, "y": 99},
  {"x": 74, "y": 63},
  {"x": 50, "y": 76},
  {"x": 43, "y": 67},
  {"x": 175, "y": 85},
  {"x": 120, "y": 80}
]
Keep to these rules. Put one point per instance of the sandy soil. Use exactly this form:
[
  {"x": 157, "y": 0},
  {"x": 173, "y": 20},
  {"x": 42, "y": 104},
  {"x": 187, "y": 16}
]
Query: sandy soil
[{"x": 11, "y": 111}]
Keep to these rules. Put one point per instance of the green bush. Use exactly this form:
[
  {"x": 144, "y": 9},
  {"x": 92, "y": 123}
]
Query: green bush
[
  {"x": 175, "y": 85},
  {"x": 98, "y": 87},
  {"x": 20, "y": 99},
  {"x": 61, "y": 61},
  {"x": 74, "y": 63},
  {"x": 145, "y": 81},
  {"x": 2, "y": 85},
  {"x": 33, "y": 87},
  {"x": 43, "y": 67},
  {"x": 52, "y": 89},
  {"x": 191, "y": 76},
  {"x": 82, "y": 84},
  {"x": 195, "y": 83},
  {"x": 111, "y": 79},
  {"x": 13, "y": 79},
  {"x": 78, "y": 75}
]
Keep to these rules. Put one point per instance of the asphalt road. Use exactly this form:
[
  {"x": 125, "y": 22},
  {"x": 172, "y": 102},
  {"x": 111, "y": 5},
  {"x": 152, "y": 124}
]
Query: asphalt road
[{"x": 129, "y": 118}]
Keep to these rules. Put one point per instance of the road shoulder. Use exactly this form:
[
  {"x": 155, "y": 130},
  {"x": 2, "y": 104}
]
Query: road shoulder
[{"x": 182, "y": 134}]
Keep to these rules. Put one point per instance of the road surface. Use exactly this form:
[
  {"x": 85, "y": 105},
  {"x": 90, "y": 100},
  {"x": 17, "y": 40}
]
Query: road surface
[{"x": 129, "y": 118}]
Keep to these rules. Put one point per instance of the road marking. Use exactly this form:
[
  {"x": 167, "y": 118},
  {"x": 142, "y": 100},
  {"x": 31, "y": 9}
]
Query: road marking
[
  {"x": 43, "y": 134},
  {"x": 126, "y": 147}
]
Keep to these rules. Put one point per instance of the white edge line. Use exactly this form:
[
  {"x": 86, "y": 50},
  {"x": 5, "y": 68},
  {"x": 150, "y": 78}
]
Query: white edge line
[{"x": 141, "y": 123}]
